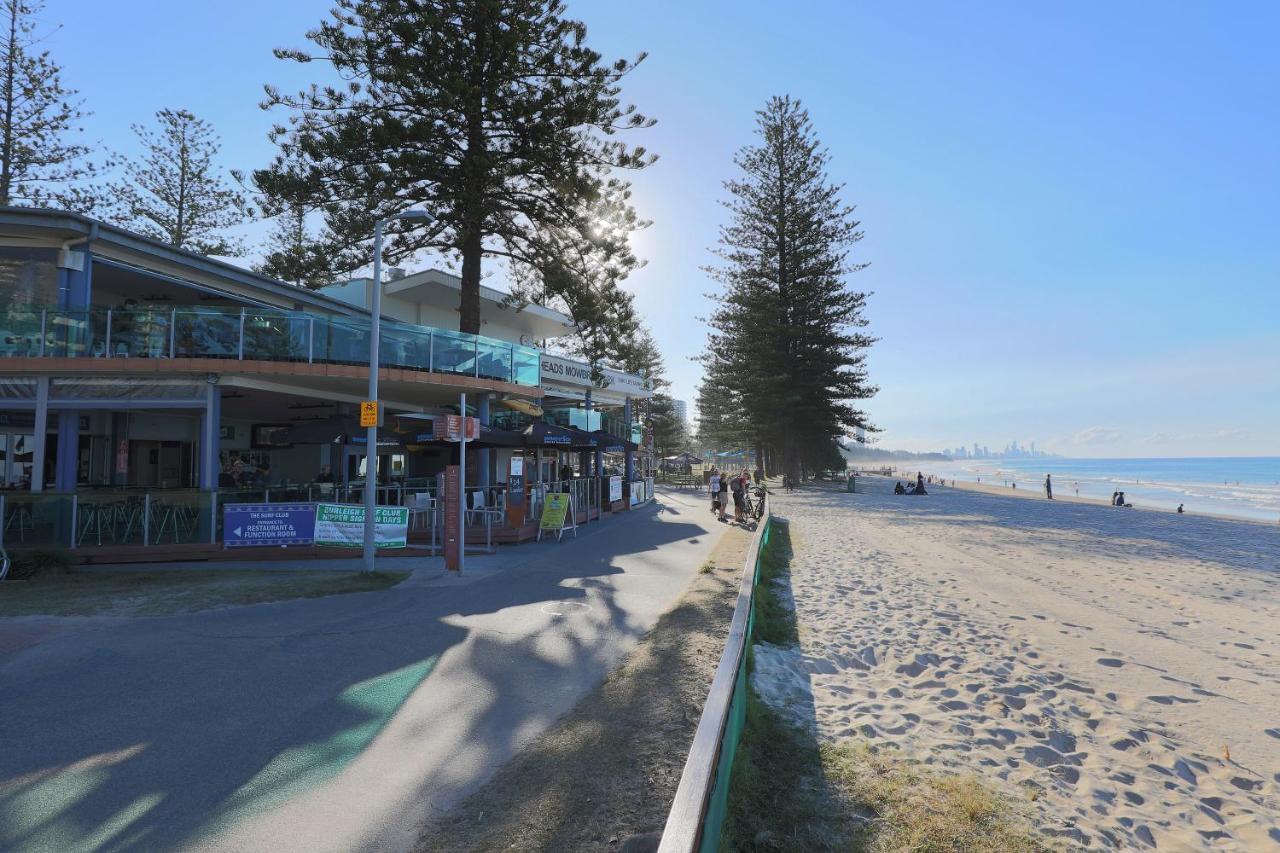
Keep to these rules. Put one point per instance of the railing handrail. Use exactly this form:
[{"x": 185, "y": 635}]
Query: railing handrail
[{"x": 685, "y": 821}]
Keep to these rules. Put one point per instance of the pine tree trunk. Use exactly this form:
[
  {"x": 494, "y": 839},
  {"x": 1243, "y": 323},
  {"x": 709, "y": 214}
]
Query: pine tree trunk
[
  {"x": 469, "y": 310},
  {"x": 10, "y": 95}
]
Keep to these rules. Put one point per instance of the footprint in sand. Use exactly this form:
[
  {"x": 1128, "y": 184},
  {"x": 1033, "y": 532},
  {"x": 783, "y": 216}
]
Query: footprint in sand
[
  {"x": 1115, "y": 663},
  {"x": 1172, "y": 700}
]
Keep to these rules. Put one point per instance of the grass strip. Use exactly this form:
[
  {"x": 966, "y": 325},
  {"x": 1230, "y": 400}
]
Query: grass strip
[{"x": 160, "y": 593}]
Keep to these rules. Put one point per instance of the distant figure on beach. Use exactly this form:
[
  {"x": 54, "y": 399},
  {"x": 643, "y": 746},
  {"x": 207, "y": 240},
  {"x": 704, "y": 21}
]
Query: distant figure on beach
[
  {"x": 1076, "y": 486},
  {"x": 1115, "y": 499},
  {"x": 1048, "y": 487},
  {"x": 898, "y": 488},
  {"x": 919, "y": 482},
  {"x": 1015, "y": 484},
  {"x": 1179, "y": 509},
  {"x": 1120, "y": 501}
]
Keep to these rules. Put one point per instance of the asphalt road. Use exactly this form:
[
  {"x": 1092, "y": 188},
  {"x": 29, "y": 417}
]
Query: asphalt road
[{"x": 328, "y": 724}]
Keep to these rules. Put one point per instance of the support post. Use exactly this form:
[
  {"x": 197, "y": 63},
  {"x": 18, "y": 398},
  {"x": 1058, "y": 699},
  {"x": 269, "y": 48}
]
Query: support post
[
  {"x": 67, "y": 465},
  {"x": 482, "y": 466},
  {"x": 462, "y": 486},
  {"x": 371, "y": 449},
  {"x": 41, "y": 430},
  {"x": 210, "y": 425},
  {"x": 629, "y": 455}
]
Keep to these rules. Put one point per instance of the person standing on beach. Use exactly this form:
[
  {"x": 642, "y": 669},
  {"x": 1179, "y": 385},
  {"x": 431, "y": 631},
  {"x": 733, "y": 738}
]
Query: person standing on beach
[{"x": 1048, "y": 487}]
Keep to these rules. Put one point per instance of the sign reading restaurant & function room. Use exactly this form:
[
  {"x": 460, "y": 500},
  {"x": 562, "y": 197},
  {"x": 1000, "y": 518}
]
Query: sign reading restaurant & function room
[{"x": 268, "y": 524}]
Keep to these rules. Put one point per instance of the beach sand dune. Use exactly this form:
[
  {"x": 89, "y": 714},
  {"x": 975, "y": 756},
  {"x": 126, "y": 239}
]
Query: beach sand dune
[{"x": 1117, "y": 670}]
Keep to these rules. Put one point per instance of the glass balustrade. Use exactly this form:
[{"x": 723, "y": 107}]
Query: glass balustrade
[{"x": 259, "y": 335}]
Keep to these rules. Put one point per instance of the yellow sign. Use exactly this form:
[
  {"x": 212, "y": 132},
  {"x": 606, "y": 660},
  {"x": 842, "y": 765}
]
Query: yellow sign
[
  {"x": 369, "y": 413},
  {"x": 553, "y": 511}
]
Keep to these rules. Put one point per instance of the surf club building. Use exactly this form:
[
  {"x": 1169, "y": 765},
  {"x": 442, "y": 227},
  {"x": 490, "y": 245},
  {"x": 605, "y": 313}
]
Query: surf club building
[{"x": 143, "y": 387}]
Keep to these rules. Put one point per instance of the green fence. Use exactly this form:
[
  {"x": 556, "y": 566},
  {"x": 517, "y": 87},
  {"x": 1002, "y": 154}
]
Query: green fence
[{"x": 698, "y": 810}]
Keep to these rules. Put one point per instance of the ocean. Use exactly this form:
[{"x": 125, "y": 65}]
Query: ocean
[{"x": 1236, "y": 486}]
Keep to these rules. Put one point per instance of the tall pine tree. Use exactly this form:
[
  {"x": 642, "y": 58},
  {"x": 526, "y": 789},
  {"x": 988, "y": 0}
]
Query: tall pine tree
[
  {"x": 40, "y": 163},
  {"x": 787, "y": 347},
  {"x": 176, "y": 192},
  {"x": 495, "y": 116}
]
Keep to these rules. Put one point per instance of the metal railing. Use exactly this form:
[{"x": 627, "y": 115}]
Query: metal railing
[
  {"x": 257, "y": 334},
  {"x": 697, "y": 813}
]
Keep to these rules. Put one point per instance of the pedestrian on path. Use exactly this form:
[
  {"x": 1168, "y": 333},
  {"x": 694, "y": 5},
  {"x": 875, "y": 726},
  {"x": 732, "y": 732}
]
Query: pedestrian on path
[
  {"x": 724, "y": 495},
  {"x": 713, "y": 486}
]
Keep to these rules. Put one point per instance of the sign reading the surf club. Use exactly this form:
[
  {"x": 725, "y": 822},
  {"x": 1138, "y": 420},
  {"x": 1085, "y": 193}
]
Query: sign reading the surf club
[{"x": 246, "y": 525}]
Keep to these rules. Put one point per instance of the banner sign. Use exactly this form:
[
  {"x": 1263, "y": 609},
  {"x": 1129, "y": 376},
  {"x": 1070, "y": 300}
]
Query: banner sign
[
  {"x": 451, "y": 428},
  {"x": 638, "y": 492},
  {"x": 615, "y": 489},
  {"x": 122, "y": 456},
  {"x": 342, "y": 525},
  {"x": 453, "y": 542},
  {"x": 557, "y": 514},
  {"x": 268, "y": 524}
]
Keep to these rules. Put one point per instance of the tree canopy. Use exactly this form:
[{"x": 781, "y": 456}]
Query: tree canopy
[
  {"x": 496, "y": 118},
  {"x": 786, "y": 358}
]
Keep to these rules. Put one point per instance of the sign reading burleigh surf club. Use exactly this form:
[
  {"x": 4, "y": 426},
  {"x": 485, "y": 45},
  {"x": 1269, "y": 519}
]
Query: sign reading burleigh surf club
[
  {"x": 342, "y": 525},
  {"x": 246, "y": 525}
]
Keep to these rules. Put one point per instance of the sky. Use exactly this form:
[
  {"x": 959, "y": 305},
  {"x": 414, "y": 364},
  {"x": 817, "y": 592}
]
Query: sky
[{"x": 1070, "y": 210}]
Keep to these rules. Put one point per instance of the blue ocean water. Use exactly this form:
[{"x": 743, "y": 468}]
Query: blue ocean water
[{"x": 1238, "y": 486}]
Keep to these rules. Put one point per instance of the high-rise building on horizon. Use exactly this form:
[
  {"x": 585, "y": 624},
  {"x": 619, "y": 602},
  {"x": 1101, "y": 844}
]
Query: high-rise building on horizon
[{"x": 682, "y": 409}]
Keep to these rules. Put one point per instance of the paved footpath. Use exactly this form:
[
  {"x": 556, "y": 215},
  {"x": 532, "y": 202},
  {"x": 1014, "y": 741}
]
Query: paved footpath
[{"x": 338, "y": 723}]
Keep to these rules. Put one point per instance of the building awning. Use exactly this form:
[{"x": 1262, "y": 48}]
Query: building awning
[{"x": 610, "y": 443}]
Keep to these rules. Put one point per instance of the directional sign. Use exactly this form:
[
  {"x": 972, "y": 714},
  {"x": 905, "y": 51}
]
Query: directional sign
[
  {"x": 246, "y": 525},
  {"x": 369, "y": 413}
]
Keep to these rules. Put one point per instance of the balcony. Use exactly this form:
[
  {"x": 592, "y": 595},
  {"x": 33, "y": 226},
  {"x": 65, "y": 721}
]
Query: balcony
[{"x": 255, "y": 334}]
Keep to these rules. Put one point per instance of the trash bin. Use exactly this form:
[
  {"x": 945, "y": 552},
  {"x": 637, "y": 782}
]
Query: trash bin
[{"x": 852, "y": 478}]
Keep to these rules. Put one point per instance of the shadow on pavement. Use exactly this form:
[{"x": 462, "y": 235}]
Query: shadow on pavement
[{"x": 151, "y": 733}]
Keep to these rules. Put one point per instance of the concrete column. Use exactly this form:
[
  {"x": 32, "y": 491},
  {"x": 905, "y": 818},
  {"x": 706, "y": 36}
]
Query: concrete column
[
  {"x": 630, "y": 454},
  {"x": 482, "y": 457},
  {"x": 210, "y": 428},
  {"x": 67, "y": 465},
  {"x": 40, "y": 430}
]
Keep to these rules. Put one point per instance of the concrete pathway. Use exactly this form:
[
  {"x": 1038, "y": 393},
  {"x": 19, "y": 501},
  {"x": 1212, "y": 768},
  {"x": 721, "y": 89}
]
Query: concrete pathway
[{"x": 327, "y": 724}]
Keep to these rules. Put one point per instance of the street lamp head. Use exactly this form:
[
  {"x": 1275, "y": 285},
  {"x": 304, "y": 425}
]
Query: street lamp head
[{"x": 415, "y": 213}]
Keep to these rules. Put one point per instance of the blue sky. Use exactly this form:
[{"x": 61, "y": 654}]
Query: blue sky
[{"x": 1070, "y": 210}]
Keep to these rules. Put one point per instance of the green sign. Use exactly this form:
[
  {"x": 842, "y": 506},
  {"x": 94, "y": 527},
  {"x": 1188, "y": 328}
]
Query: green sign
[
  {"x": 554, "y": 509},
  {"x": 342, "y": 525}
]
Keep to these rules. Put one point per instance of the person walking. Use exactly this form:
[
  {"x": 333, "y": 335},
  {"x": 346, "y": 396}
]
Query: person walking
[
  {"x": 724, "y": 496},
  {"x": 713, "y": 486},
  {"x": 1048, "y": 487}
]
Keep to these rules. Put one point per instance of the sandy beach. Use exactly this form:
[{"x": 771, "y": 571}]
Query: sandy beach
[{"x": 1118, "y": 672}]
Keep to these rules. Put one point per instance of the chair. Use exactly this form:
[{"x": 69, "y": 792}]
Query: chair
[
  {"x": 122, "y": 349},
  {"x": 475, "y": 506},
  {"x": 420, "y": 505}
]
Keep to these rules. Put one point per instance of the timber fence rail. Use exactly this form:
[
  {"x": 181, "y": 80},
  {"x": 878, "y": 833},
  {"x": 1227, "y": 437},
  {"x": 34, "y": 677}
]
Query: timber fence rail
[{"x": 698, "y": 810}]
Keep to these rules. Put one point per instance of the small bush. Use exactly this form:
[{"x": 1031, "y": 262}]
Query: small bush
[{"x": 30, "y": 563}]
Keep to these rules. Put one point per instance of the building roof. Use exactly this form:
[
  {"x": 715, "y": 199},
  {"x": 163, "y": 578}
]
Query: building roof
[{"x": 43, "y": 225}]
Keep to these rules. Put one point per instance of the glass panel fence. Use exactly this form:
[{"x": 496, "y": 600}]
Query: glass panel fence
[
  {"x": 139, "y": 334},
  {"x": 20, "y": 331},
  {"x": 257, "y": 334},
  {"x": 455, "y": 352},
  {"x": 206, "y": 333},
  {"x": 276, "y": 336},
  {"x": 37, "y": 520}
]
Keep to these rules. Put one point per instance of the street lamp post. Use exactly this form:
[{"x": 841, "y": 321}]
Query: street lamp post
[{"x": 375, "y": 333}]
